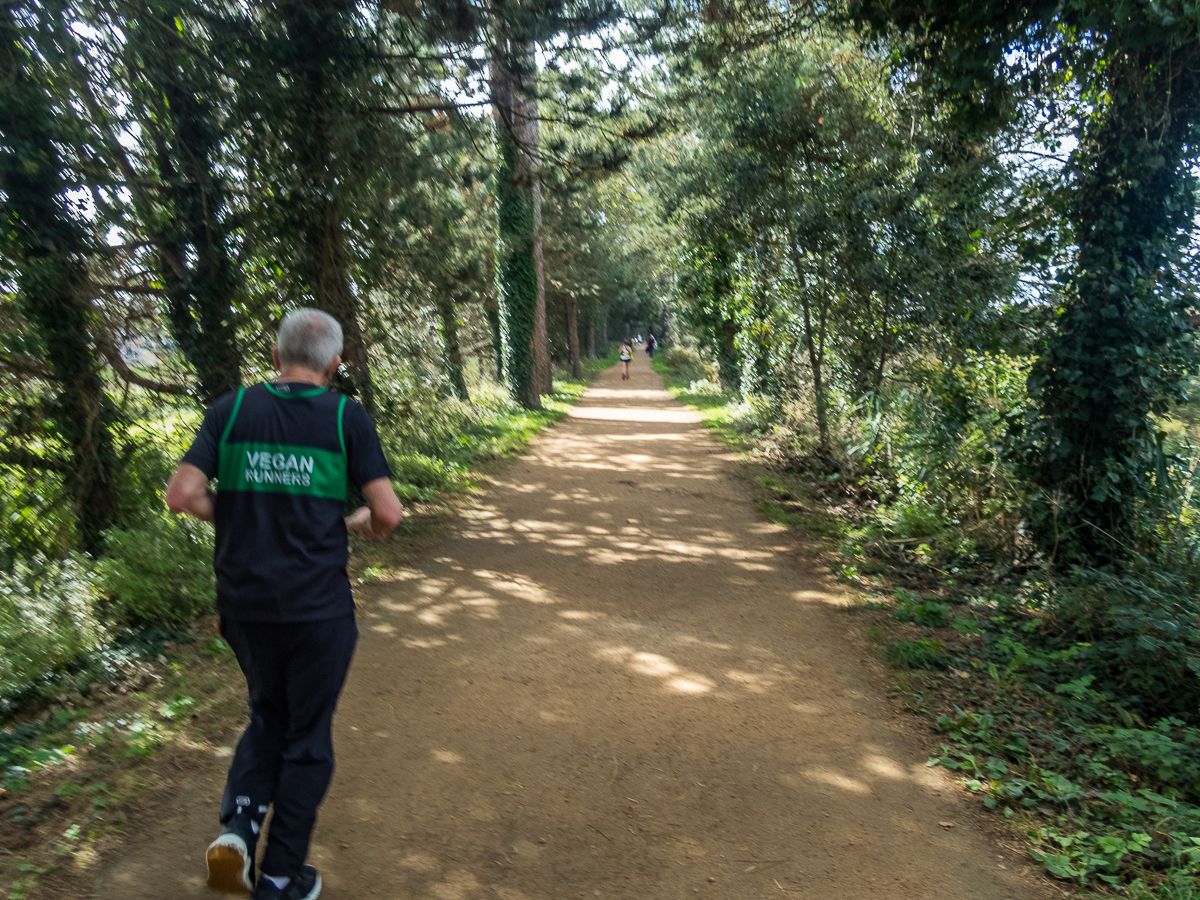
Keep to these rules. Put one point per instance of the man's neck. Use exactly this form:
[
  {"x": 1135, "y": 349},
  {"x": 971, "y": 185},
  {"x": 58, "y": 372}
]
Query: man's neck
[{"x": 293, "y": 374}]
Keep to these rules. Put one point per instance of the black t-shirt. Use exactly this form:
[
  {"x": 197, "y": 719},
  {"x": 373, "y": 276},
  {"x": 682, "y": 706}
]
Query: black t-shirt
[{"x": 283, "y": 455}]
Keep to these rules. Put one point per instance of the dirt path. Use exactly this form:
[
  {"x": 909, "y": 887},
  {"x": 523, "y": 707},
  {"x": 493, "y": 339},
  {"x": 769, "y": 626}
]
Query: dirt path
[{"x": 616, "y": 680}]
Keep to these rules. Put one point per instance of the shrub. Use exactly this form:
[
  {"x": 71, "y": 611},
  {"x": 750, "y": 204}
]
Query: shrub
[
  {"x": 160, "y": 572},
  {"x": 686, "y": 364},
  {"x": 1138, "y": 635},
  {"x": 418, "y": 477},
  {"x": 924, "y": 612},
  {"x": 48, "y": 619},
  {"x": 923, "y": 653}
]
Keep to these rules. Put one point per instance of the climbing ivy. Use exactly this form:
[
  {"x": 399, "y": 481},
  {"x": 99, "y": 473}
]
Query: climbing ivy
[
  {"x": 515, "y": 264},
  {"x": 1121, "y": 350},
  {"x": 43, "y": 232}
]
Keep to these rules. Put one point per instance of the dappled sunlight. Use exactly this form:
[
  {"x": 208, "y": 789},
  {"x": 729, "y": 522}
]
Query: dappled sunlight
[
  {"x": 836, "y": 779},
  {"x": 623, "y": 414},
  {"x": 749, "y": 681},
  {"x": 810, "y": 709},
  {"x": 690, "y": 684},
  {"x": 436, "y": 615},
  {"x": 826, "y": 597},
  {"x": 624, "y": 555},
  {"x": 884, "y": 767},
  {"x": 626, "y": 393},
  {"x": 424, "y": 643},
  {"x": 516, "y": 586},
  {"x": 652, "y": 664}
]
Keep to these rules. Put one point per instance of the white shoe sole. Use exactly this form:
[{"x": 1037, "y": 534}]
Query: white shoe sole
[{"x": 230, "y": 865}]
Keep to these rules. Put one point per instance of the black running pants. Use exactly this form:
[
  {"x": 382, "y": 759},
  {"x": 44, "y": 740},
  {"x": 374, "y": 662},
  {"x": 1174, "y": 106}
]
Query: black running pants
[{"x": 294, "y": 674}]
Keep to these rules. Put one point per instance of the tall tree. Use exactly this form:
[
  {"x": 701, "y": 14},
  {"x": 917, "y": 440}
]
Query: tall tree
[
  {"x": 518, "y": 188},
  {"x": 1122, "y": 348},
  {"x": 46, "y": 235}
]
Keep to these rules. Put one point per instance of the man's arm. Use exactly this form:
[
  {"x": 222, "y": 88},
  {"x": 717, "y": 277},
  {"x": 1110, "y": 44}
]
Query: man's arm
[
  {"x": 381, "y": 514},
  {"x": 188, "y": 492}
]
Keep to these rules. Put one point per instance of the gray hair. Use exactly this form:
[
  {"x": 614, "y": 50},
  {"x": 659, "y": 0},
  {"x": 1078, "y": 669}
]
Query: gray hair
[{"x": 309, "y": 338}]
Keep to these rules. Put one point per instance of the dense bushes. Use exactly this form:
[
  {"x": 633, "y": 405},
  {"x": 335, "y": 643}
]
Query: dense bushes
[
  {"x": 160, "y": 572},
  {"x": 48, "y": 619}
]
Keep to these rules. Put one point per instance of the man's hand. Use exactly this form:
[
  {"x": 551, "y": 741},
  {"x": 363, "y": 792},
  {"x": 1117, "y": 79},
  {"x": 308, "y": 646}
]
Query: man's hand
[
  {"x": 359, "y": 522},
  {"x": 187, "y": 492},
  {"x": 382, "y": 513}
]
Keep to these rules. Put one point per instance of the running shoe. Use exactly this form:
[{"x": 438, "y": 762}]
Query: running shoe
[
  {"x": 305, "y": 885},
  {"x": 230, "y": 857}
]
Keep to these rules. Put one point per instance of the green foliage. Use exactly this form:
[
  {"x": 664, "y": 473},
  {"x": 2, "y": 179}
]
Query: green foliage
[
  {"x": 938, "y": 450},
  {"x": 1139, "y": 635},
  {"x": 1177, "y": 885},
  {"x": 923, "y": 653},
  {"x": 160, "y": 572},
  {"x": 922, "y": 611},
  {"x": 48, "y": 620},
  {"x": 685, "y": 366},
  {"x": 417, "y": 477},
  {"x": 1121, "y": 350}
]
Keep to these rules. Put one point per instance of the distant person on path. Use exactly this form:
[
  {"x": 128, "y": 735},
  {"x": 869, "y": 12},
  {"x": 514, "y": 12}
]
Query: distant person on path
[
  {"x": 626, "y": 354},
  {"x": 651, "y": 343},
  {"x": 283, "y": 454}
]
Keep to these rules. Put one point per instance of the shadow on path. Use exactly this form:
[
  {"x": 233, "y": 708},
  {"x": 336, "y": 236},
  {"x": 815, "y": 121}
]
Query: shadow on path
[{"x": 615, "y": 680}]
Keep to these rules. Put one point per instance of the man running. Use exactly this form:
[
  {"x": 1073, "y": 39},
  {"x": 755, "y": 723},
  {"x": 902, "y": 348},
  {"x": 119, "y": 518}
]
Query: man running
[{"x": 283, "y": 454}]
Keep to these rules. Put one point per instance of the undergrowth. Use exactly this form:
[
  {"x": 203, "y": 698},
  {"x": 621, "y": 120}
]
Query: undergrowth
[{"x": 1067, "y": 700}]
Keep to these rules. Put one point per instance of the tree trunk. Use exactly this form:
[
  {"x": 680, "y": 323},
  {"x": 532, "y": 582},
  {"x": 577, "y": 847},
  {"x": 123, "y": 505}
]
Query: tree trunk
[
  {"x": 491, "y": 312},
  {"x": 212, "y": 284},
  {"x": 814, "y": 343},
  {"x": 573, "y": 335},
  {"x": 451, "y": 348},
  {"x": 591, "y": 333},
  {"x": 519, "y": 283},
  {"x": 543, "y": 376},
  {"x": 52, "y": 281},
  {"x": 1121, "y": 352},
  {"x": 332, "y": 293},
  {"x": 55, "y": 294}
]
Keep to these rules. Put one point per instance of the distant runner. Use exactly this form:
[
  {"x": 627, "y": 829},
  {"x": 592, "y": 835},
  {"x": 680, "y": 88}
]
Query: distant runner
[{"x": 651, "y": 343}]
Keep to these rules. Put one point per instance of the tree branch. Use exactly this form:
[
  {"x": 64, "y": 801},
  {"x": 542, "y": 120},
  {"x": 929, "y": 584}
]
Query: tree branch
[
  {"x": 25, "y": 366},
  {"x": 113, "y": 355}
]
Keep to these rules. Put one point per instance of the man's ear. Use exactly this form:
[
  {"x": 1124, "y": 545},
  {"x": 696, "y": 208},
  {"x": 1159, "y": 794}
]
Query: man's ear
[
  {"x": 332, "y": 367},
  {"x": 275, "y": 358}
]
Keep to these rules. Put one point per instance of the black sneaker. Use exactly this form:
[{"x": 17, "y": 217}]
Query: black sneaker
[
  {"x": 305, "y": 885},
  {"x": 230, "y": 857}
]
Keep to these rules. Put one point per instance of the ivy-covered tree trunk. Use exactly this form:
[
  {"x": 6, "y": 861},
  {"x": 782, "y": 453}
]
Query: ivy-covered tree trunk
[
  {"x": 491, "y": 312},
  {"x": 50, "y": 248},
  {"x": 521, "y": 267},
  {"x": 1122, "y": 350},
  {"x": 321, "y": 56},
  {"x": 202, "y": 307}
]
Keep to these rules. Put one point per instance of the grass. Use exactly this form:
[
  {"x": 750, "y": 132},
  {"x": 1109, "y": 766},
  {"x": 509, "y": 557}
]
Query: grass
[{"x": 718, "y": 409}]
